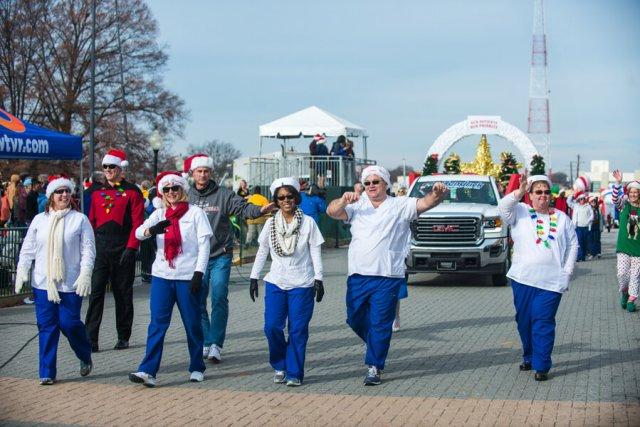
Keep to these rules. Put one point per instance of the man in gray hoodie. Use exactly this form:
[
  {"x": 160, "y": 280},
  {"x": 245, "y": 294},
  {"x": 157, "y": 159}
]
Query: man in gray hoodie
[{"x": 218, "y": 203}]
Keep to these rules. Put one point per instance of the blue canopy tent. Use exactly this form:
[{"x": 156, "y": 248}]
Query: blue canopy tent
[{"x": 20, "y": 139}]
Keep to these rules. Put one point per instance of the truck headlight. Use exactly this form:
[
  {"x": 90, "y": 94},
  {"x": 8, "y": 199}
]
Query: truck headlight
[{"x": 493, "y": 222}]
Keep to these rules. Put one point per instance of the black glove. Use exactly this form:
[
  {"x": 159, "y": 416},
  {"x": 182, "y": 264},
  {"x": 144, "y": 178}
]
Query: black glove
[
  {"x": 159, "y": 228},
  {"x": 318, "y": 289},
  {"x": 196, "y": 282},
  {"x": 253, "y": 289},
  {"x": 128, "y": 256}
]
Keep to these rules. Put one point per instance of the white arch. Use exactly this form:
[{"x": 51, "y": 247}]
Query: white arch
[{"x": 487, "y": 125}]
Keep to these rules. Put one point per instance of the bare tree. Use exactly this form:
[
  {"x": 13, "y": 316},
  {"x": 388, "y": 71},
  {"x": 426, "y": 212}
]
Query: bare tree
[
  {"x": 222, "y": 153},
  {"x": 45, "y": 58}
]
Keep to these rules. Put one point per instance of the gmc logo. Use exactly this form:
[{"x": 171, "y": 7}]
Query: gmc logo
[{"x": 441, "y": 228}]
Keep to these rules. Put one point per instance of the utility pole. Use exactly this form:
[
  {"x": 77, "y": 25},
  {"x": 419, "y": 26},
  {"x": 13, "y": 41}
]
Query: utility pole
[
  {"x": 92, "y": 114},
  {"x": 571, "y": 172},
  {"x": 578, "y": 167}
]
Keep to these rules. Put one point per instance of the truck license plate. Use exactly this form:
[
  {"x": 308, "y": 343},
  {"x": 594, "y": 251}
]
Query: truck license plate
[{"x": 446, "y": 265}]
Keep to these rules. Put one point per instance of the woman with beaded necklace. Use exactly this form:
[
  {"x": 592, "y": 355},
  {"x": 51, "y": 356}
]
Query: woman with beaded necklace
[
  {"x": 545, "y": 248},
  {"x": 293, "y": 239}
]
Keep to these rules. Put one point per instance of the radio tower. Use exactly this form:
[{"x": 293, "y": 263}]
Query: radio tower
[{"x": 539, "y": 126}]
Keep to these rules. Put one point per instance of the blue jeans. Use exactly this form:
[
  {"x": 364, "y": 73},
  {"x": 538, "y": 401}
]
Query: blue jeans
[
  {"x": 371, "y": 309},
  {"x": 216, "y": 286},
  {"x": 164, "y": 294},
  {"x": 54, "y": 318},
  {"x": 296, "y": 307},
  {"x": 536, "y": 319},
  {"x": 583, "y": 242}
]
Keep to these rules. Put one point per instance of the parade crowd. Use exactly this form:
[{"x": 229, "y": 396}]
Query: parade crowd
[{"x": 68, "y": 256}]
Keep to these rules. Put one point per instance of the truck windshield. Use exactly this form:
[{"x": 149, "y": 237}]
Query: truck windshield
[{"x": 468, "y": 191}]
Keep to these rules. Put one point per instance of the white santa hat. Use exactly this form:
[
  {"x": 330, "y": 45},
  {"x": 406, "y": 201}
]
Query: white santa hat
[
  {"x": 582, "y": 183},
  {"x": 58, "y": 181},
  {"x": 376, "y": 170},
  {"x": 115, "y": 157},
  {"x": 537, "y": 178},
  {"x": 169, "y": 179},
  {"x": 633, "y": 184},
  {"x": 197, "y": 161},
  {"x": 279, "y": 182}
]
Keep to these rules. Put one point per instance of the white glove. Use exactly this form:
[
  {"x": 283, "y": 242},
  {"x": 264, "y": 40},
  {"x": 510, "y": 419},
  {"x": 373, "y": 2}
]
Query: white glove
[
  {"x": 83, "y": 283},
  {"x": 22, "y": 276},
  {"x": 52, "y": 293}
]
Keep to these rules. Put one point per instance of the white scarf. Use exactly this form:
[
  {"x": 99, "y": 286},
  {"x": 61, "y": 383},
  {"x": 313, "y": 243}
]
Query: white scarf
[
  {"x": 284, "y": 236},
  {"x": 55, "y": 253}
]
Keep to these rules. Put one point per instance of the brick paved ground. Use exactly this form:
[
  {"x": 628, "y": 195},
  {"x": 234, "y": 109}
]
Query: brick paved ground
[{"x": 454, "y": 362}]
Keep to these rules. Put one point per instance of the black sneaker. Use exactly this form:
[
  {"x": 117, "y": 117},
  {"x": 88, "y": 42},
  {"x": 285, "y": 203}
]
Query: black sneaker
[
  {"x": 373, "y": 376},
  {"x": 85, "y": 368},
  {"x": 541, "y": 376},
  {"x": 525, "y": 366},
  {"x": 121, "y": 345}
]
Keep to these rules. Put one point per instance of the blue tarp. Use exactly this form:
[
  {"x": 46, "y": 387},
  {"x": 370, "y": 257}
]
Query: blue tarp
[{"x": 22, "y": 140}]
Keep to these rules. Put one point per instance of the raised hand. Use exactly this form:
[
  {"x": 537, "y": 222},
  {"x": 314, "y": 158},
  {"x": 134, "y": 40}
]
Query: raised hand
[
  {"x": 617, "y": 175},
  {"x": 268, "y": 208},
  {"x": 350, "y": 197},
  {"x": 439, "y": 191}
]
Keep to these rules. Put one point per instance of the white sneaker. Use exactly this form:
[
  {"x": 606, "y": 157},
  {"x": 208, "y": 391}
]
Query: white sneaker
[
  {"x": 214, "y": 354},
  {"x": 142, "y": 378},
  {"x": 196, "y": 377},
  {"x": 396, "y": 325},
  {"x": 279, "y": 377},
  {"x": 205, "y": 352}
]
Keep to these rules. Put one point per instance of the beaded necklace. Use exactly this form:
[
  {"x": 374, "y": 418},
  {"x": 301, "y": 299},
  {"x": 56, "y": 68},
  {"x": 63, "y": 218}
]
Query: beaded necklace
[
  {"x": 539, "y": 223},
  {"x": 108, "y": 200}
]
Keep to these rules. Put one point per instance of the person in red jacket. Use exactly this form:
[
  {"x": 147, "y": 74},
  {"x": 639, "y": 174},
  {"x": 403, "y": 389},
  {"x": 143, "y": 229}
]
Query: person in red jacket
[{"x": 117, "y": 209}]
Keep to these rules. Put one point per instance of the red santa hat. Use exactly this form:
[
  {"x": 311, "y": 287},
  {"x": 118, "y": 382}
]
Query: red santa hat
[
  {"x": 169, "y": 179},
  {"x": 197, "y": 161},
  {"x": 579, "y": 195},
  {"x": 58, "y": 181},
  {"x": 115, "y": 157},
  {"x": 320, "y": 139}
]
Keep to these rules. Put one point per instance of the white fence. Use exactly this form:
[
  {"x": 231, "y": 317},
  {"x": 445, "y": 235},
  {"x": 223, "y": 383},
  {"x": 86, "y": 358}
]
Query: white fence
[{"x": 333, "y": 170}]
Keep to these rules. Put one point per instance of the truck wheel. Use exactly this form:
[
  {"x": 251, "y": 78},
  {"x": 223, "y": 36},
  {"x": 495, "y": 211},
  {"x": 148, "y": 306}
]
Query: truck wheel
[{"x": 499, "y": 280}]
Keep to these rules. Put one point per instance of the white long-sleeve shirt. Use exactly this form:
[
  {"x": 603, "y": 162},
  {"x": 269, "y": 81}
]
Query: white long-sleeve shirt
[
  {"x": 195, "y": 232},
  {"x": 534, "y": 264},
  {"x": 582, "y": 215},
  {"x": 79, "y": 249},
  {"x": 300, "y": 268}
]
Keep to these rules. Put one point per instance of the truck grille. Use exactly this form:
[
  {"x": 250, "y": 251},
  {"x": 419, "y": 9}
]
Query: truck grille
[{"x": 446, "y": 231}]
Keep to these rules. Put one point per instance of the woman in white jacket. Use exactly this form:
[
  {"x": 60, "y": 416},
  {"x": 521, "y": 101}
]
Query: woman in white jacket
[
  {"x": 293, "y": 240},
  {"x": 182, "y": 233},
  {"x": 545, "y": 247},
  {"x": 61, "y": 242}
]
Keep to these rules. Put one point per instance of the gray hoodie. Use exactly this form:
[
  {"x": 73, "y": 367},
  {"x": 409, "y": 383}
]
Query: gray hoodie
[{"x": 219, "y": 203}]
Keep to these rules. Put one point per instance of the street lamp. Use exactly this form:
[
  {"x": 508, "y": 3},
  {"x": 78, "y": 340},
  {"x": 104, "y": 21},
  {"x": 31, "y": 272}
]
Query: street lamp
[{"x": 155, "y": 140}]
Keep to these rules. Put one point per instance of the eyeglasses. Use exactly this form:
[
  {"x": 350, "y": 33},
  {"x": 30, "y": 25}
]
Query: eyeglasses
[
  {"x": 374, "y": 182},
  {"x": 545, "y": 192},
  {"x": 288, "y": 197},
  {"x": 62, "y": 191},
  {"x": 109, "y": 166},
  {"x": 174, "y": 188}
]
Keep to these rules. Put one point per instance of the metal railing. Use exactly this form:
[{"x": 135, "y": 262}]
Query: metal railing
[{"x": 336, "y": 171}]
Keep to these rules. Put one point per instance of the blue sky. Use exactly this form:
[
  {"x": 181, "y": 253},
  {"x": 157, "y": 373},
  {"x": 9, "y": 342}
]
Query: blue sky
[{"x": 406, "y": 71}]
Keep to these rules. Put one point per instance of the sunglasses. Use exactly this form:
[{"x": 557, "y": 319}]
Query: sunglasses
[
  {"x": 109, "y": 166},
  {"x": 545, "y": 192},
  {"x": 288, "y": 197},
  {"x": 62, "y": 191},
  {"x": 374, "y": 182},
  {"x": 174, "y": 188}
]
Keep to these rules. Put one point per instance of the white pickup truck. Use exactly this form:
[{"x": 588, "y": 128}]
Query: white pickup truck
[{"x": 464, "y": 234}]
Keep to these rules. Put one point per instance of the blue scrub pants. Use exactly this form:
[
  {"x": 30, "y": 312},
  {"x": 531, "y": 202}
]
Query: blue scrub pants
[
  {"x": 536, "y": 318},
  {"x": 216, "y": 286},
  {"x": 595, "y": 246},
  {"x": 296, "y": 307},
  {"x": 583, "y": 241},
  {"x": 371, "y": 309},
  {"x": 52, "y": 319},
  {"x": 164, "y": 294}
]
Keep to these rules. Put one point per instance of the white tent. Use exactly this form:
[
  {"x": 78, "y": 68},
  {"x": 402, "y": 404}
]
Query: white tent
[{"x": 309, "y": 122}]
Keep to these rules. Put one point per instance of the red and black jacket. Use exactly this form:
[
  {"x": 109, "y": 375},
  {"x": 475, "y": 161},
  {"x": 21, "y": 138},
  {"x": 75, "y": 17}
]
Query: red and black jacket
[{"x": 117, "y": 211}]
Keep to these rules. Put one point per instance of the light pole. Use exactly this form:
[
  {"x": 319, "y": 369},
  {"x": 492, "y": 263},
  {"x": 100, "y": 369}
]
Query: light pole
[
  {"x": 155, "y": 140},
  {"x": 404, "y": 173}
]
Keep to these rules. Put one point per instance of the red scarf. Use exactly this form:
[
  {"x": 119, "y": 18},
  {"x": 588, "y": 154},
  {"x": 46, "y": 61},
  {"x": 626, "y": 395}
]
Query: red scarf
[{"x": 173, "y": 238}]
